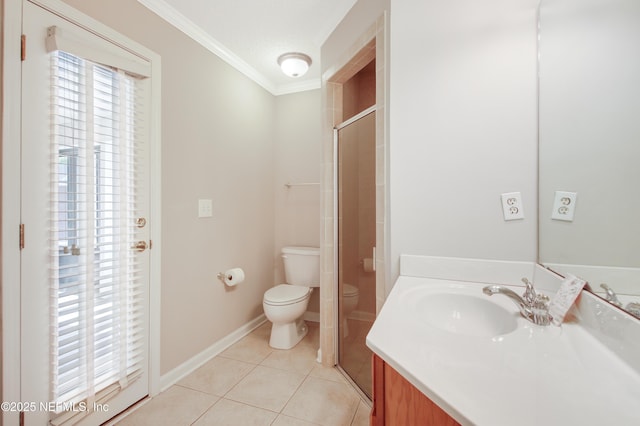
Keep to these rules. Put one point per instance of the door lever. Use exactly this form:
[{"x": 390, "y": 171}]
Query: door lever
[{"x": 140, "y": 246}]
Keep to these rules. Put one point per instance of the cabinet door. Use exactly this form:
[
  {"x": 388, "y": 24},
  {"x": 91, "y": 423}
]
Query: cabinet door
[
  {"x": 377, "y": 411},
  {"x": 398, "y": 402}
]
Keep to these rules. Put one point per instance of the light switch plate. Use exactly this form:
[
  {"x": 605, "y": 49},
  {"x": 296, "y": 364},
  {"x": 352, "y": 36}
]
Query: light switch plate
[
  {"x": 512, "y": 206},
  {"x": 564, "y": 206},
  {"x": 205, "y": 208}
]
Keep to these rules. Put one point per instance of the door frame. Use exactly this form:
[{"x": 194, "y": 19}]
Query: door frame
[{"x": 11, "y": 192}]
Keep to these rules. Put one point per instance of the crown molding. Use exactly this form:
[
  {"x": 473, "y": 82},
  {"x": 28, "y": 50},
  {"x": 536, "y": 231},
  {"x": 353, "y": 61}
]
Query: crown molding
[
  {"x": 178, "y": 20},
  {"x": 296, "y": 87}
]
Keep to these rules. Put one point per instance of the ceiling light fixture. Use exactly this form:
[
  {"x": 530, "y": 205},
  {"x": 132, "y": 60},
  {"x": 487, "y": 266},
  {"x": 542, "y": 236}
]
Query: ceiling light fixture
[{"x": 294, "y": 64}]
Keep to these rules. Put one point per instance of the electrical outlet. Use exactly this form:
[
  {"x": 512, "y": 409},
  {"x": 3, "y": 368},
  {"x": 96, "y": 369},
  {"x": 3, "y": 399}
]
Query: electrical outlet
[
  {"x": 564, "y": 206},
  {"x": 205, "y": 208},
  {"x": 512, "y": 206}
]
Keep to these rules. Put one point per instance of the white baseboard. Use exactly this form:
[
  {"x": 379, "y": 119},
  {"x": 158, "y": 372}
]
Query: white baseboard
[
  {"x": 362, "y": 316},
  {"x": 187, "y": 367},
  {"x": 355, "y": 315},
  {"x": 311, "y": 316}
]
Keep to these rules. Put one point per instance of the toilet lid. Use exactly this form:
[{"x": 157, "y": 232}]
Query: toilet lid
[
  {"x": 286, "y": 294},
  {"x": 304, "y": 251},
  {"x": 349, "y": 290}
]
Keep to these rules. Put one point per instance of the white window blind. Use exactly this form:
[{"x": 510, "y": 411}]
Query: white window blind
[
  {"x": 98, "y": 51},
  {"x": 97, "y": 305}
]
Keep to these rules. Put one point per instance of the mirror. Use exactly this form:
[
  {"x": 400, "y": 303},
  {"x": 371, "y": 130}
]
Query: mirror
[{"x": 589, "y": 141}]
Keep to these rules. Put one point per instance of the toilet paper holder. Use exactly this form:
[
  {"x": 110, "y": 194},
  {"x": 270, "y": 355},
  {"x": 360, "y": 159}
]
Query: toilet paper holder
[
  {"x": 231, "y": 277},
  {"x": 223, "y": 276}
]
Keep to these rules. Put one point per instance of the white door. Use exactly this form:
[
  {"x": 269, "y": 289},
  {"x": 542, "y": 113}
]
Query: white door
[{"x": 85, "y": 199}]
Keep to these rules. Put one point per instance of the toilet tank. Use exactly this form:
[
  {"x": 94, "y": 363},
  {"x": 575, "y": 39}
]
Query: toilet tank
[{"x": 302, "y": 266}]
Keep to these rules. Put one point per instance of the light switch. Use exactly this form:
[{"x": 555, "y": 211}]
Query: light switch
[{"x": 205, "y": 208}]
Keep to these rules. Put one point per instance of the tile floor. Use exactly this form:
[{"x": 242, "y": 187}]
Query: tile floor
[{"x": 251, "y": 383}]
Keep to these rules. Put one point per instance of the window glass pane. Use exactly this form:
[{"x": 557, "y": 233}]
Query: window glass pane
[{"x": 93, "y": 282}]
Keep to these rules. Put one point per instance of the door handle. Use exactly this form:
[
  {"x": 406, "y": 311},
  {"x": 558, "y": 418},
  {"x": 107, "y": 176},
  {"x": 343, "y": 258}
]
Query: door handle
[{"x": 140, "y": 246}]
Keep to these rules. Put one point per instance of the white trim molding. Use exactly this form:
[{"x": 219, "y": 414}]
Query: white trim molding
[
  {"x": 300, "y": 86},
  {"x": 11, "y": 133},
  {"x": 189, "y": 366},
  {"x": 167, "y": 12},
  {"x": 178, "y": 20}
]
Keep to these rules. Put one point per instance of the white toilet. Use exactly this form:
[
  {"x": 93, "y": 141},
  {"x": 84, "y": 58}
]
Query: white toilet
[
  {"x": 285, "y": 304},
  {"x": 350, "y": 296}
]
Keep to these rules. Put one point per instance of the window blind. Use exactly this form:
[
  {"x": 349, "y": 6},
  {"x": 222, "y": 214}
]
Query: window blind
[
  {"x": 99, "y": 51},
  {"x": 97, "y": 303}
]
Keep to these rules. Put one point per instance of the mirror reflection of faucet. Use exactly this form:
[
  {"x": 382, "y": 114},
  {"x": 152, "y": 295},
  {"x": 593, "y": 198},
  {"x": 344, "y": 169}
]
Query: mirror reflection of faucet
[
  {"x": 633, "y": 308},
  {"x": 610, "y": 296}
]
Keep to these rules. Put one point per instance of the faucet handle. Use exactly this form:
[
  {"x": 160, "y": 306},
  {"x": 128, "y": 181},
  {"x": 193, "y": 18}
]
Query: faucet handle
[
  {"x": 530, "y": 294},
  {"x": 540, "y": 310}
]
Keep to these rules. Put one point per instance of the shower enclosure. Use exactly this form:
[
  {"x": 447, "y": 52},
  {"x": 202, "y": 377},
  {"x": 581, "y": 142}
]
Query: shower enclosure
[{"x": 356, "y": 232}]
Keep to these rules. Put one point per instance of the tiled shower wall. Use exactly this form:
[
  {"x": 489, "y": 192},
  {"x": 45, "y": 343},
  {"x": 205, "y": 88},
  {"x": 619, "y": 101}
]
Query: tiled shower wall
[{"x": 371, "y": 45}]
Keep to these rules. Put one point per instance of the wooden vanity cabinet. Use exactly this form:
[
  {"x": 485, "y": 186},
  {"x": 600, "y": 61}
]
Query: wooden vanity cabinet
[{"x": 398, "y": 402}]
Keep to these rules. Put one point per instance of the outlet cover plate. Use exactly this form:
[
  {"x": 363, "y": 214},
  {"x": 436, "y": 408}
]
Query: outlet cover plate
[
  {"x": 512, "y": 208},
  {"x": 564, "y": 206}
]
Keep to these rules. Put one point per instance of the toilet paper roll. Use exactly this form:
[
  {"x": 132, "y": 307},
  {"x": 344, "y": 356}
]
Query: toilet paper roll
[
  {"x": 233, "y": 276},
  {"x": 368, "y": 265}
]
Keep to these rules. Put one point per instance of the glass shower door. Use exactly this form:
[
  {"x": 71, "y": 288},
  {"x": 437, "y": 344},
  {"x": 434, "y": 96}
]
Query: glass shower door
[{"x": 356, "y": 244}]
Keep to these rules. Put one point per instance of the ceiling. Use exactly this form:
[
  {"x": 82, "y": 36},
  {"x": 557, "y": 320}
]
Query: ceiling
[{"x": 251, "y": 34}]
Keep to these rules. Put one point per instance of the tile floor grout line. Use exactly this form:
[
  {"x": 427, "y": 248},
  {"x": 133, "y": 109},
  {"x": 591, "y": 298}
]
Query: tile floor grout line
[
  {"x": 250, "y": 405},
  {"x": 311, "y": 373},
  {"x": 238, "y": 382},
  {"x": 205, "y": 412},
  {"x": 292, "y": 395}
]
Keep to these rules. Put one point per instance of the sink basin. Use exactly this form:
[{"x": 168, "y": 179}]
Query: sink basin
[{"x": 462, "y": 314}]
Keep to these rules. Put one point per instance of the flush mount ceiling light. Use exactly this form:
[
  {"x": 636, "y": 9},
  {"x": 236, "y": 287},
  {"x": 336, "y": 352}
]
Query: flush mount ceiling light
[{"x": 294, "y": 64}]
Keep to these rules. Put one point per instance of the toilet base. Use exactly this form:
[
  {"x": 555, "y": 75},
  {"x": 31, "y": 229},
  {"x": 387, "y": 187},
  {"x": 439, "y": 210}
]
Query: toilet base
[{"x": 286, "y": 336}]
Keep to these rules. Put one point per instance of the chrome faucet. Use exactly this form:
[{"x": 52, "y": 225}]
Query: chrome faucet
[
  {"x": 610, "y": 295},
  {"x": 532, "y": 306},
  {"x": 633, "y": 308}
]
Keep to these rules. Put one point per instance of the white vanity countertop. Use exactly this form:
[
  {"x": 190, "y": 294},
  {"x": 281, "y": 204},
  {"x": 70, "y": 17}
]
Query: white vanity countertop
[{"x": 534, "y": 375}]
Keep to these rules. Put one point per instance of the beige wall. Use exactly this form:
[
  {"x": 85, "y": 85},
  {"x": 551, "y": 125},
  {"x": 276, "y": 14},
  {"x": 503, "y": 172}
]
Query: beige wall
[
  {"x": 361, "y": 36},
  {"x": 463, "y": 128},
  {"x": 297, "y": 150},
  {"x": 218, "y": 143},
  {"x": 1, "y": 207},
  {"x": 462, "y": 105},
  {"x": 351, "y": 29}
]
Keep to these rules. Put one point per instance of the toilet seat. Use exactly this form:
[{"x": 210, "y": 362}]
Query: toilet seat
[
  {"x": 286, "y": 294},
  {"x": 349, "y": 290}
]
